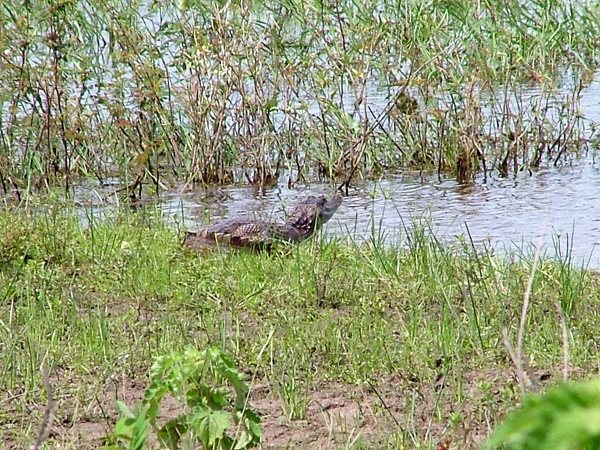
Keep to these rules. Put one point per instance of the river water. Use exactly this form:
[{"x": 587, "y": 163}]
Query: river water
[
  {"x": 557, "y": 207},
  {"x": 553, "y": 206}
]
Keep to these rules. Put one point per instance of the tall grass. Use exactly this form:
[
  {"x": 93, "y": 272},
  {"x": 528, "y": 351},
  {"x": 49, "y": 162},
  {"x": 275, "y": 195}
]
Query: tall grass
[{"x": 215, "y": 92}]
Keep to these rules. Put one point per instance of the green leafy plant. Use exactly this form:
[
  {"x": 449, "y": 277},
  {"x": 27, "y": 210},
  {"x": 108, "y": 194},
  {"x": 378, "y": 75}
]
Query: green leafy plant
[
  {"x": 201, "y": 380},
  {"x": 566, "y": 417}
]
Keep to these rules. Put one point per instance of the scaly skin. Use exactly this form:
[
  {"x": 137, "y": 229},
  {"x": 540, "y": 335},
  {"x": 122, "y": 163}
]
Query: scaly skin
[{"x": 306, "y": 218}]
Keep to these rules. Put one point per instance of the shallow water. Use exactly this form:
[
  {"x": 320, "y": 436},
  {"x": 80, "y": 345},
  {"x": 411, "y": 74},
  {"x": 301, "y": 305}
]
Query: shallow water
[
  {"x": 550, "y": 206},
  {"x": 555, "y": 206},
  {"x": 558, "y": 207}
]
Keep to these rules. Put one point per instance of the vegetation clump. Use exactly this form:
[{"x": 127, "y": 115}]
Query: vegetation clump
[
  {"x": 566, "y": 417},
  {"x": 199, "y": 379},
  {"x": 157, "y": 93}
]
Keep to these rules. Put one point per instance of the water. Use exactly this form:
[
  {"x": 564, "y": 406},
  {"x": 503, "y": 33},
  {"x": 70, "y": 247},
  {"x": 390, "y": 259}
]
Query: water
[
  {"x": 554, "y": 206},
  {"x": 557, "y": 207},
  {"x": 549, "y": 206}
]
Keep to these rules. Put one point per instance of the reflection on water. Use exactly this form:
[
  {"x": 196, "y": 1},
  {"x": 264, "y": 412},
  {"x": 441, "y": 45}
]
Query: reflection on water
[{"x": 557, "y": 203}]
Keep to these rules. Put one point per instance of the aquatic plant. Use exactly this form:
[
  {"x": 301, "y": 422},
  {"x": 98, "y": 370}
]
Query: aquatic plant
[{"x": 215, "y": 92}]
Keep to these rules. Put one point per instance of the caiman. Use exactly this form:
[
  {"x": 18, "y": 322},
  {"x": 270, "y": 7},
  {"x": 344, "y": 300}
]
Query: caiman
[{"x": 306, "y": 218}]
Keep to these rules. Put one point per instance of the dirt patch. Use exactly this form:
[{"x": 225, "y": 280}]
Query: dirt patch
[{"x": 445, "y": 411}]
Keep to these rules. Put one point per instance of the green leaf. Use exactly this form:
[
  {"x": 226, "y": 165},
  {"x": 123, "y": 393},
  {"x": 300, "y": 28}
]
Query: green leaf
[
  {"x": 566, "y": 417},
  {"x": 227, "y": 370},
  {"x": 202, "y": 380},
  {"x": 140, "y": 436},
  {"x": 153, "y": 397},
  {"x": 123, "y": 409},
  {"x": 209, "y": 425},
  {"x": 133, "y": 429},
  {"x": 254, "y": 423},
  {"x": 124, "y": 428},
  {"x": 251, "y": 430}
]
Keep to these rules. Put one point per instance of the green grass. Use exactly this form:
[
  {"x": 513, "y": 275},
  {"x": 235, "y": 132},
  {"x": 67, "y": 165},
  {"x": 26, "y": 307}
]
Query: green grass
[{"x": 96, "y": 305}]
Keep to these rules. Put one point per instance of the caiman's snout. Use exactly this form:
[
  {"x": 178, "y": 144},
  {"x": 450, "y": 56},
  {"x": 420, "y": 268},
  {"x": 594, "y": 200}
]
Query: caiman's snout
[{"x": 329, "y": 208}]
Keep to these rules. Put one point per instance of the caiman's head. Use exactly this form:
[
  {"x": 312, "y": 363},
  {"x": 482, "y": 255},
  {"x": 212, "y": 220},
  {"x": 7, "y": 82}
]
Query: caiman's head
[{"x": 310, "y": 214}]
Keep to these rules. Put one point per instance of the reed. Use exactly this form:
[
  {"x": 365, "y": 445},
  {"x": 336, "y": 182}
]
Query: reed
[{"x": 213, "y": 92}]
